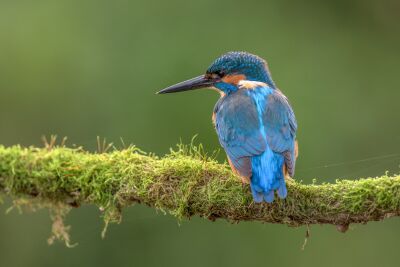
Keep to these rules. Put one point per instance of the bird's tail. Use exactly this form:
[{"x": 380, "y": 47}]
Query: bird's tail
[{"x": 267, "y": 176}]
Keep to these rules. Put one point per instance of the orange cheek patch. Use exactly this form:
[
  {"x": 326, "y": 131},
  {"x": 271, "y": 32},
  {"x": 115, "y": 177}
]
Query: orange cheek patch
[{"x": 233, "y": 79}]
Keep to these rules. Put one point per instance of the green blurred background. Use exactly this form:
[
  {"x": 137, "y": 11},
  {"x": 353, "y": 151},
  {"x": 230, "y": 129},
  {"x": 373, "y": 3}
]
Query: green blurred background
[{"x": 90, "y": 68}]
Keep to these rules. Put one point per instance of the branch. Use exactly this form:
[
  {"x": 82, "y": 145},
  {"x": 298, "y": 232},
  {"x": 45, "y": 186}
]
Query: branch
[{"x": 184, "y": 183}]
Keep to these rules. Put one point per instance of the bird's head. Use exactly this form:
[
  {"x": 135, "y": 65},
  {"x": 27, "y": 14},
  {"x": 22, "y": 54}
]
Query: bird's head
[{"x": 226, "y": 72}]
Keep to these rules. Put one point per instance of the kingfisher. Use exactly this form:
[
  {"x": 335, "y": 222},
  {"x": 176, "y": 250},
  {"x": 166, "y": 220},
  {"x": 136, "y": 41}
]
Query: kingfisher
[{"x": 254, "y": 120}]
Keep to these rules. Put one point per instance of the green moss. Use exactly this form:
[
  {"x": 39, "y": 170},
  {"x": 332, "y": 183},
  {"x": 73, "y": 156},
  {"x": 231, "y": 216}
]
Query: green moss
[{"x": 184, "y": 183}]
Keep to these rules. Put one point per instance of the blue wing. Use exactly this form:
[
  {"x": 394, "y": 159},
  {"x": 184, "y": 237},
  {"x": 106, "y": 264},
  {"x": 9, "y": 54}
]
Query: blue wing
[
  {"x": 249, "y": 120},
  {"x": 238, "y": 127},
  {"x": 280, "y": 128}
]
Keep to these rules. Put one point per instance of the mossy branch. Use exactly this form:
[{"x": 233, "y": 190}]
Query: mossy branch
[{"x": 184, "y": 183}]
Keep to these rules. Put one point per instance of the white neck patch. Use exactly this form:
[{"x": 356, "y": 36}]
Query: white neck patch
[{"x": 249, "y": 85}]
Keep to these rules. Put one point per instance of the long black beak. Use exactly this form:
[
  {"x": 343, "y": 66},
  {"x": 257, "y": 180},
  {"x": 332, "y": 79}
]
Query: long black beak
[{"x": 192, "y": 84}]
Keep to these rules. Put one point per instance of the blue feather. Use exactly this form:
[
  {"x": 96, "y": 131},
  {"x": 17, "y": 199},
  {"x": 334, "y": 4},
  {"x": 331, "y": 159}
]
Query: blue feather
[{"x": 267, "y": 175}]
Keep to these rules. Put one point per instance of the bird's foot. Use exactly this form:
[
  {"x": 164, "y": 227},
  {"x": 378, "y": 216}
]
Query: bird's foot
[
  {"x": 289, "y": 180},
  {"x": 245, "y": 180}
]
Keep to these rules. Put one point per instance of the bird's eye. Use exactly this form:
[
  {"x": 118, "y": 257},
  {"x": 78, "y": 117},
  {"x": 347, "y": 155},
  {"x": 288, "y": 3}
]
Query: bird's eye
[
  {"x": 220, "y": 73},
  {"x": 215, "y": 75}
]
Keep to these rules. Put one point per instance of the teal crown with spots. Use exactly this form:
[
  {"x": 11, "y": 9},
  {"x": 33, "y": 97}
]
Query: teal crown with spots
[{"x": 252, "y": 66}]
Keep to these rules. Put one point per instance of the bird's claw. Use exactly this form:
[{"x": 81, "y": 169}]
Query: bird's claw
[{"x": 289, "y": 180}]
